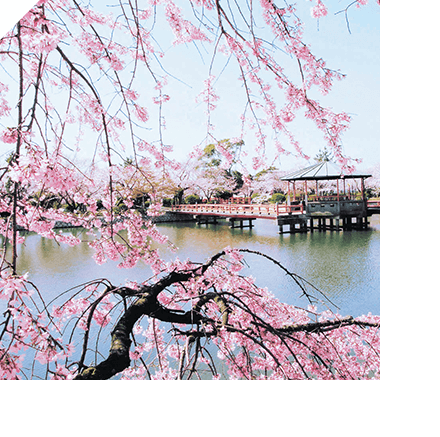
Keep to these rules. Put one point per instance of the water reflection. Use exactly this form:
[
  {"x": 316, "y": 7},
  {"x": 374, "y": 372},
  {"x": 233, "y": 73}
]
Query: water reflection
[{"x": 343, "y": 264}]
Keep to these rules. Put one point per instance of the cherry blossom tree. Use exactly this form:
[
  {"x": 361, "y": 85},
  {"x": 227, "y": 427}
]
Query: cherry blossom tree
[
  {"x": 263, "y": 184},
  {"x": 93, "y": 83},
  {"x": 214, "y": 172},
  {"x": 373, "y": 183}
]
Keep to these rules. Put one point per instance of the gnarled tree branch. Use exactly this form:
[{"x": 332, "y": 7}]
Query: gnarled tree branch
[{"x": 146, "y": 305}]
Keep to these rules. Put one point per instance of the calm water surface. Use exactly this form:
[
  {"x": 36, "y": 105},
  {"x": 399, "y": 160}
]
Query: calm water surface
[{"x": 345, "y": 265}]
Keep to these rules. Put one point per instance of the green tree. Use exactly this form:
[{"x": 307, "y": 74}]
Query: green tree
[
  {"x": 218, "y": 161},
  {"x": 225, "y": 152},
  {"x": 323, "y": 155}
]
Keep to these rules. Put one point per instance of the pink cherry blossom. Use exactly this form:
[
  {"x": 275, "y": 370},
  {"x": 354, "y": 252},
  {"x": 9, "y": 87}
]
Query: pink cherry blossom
[
  {"x": 84, "y": 127},
  {"x": 319, "y": 10},
  {"x": 9, "y": 136}
]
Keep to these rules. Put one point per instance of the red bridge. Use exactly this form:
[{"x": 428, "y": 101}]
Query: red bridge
[
  {"x": 237, "y": 214},
  {"x": 243, "y": 211}
]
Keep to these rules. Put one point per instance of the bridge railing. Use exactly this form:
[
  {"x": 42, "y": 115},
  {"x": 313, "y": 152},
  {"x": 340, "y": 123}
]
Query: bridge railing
[
  {"x": 272, "y": 210},
  {"x": 373, "y": 203}
]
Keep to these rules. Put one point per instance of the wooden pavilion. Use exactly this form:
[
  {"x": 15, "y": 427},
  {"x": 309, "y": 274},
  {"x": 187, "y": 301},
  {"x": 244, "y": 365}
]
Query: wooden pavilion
[{"x": 331, "y": 198}]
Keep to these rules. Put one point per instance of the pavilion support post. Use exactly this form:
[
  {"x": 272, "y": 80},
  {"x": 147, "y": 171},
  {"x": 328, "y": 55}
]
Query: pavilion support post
[
  {"x": 311, "y": 224},
  {"x": 363, "y": 188},
  {"x": 366, "y": 222},
  {"x": 337, "y": 188}
]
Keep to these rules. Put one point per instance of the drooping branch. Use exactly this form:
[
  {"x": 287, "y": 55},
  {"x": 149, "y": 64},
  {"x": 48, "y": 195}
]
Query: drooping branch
[
  {"x": 312, "y": 327},
  {"x": 146, "y": 305},
  {"x": 17, "y": 149},
  {"x": 326, "y": 325},
  {"x": 298, "y": 280}
]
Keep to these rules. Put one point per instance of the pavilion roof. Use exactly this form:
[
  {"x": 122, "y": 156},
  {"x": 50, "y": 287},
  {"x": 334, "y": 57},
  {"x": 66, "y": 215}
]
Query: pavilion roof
[{"x": 324, "y": 170}]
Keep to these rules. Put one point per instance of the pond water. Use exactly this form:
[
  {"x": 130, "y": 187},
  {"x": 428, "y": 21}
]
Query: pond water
[{"x": 344, "y": 265}]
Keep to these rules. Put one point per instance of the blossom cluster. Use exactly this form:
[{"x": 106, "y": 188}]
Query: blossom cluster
[
  {"x": 36, "y": 168},
  {"x": 29, "y": 332},
  {"x": 4, "y": 107},
  {"x": 320, "y": 10},
  {"x": 184, "y": 30},
  {"x": 208, "y": 95}
]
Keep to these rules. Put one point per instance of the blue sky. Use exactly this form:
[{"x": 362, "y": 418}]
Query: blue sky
[{"x": 355, "y": 54}]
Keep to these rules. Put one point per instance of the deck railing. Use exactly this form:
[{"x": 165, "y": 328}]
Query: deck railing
[
  {"x": 373, "y": 203},
  {"x": 332, "y": 198},
  {"x": 253, "y": 210}
]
